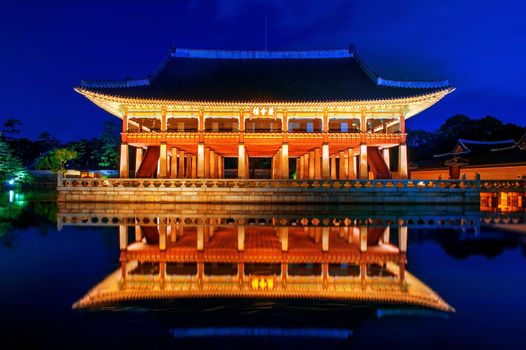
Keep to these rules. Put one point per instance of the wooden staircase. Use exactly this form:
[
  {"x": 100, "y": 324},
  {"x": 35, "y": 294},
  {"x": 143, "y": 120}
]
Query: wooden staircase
[
  {"x": 149, "y": 163},
  {"x": 377, "y": 164}
]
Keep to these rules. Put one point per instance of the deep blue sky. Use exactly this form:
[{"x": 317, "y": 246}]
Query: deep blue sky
[{"x": 47, "y": 47}]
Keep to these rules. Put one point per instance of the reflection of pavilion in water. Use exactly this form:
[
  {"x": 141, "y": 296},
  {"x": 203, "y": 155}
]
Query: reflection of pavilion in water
[{"x": 173, "y": 257}]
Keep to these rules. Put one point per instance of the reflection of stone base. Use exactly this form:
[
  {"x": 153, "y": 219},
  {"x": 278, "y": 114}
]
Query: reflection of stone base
[
  {"x": 381, "y": 290},
  {"x": 269, "y": 191}
]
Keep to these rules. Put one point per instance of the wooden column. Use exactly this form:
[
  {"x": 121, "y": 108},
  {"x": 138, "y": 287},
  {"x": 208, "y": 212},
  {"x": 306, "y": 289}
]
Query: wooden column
[
  {"x": 363, "y": 123},
  {"x": 207, "y": 162},
  {"x": 325, "y": 239},
  {"x": 123, "y": 236},
  {"x": 180, "y": 168},
  {"x": 173, "y": 167},
  {"x": 220, "y": 167},
  {"x": 193, "y": 175},
  {"x": 213, "y": 165},
  {"x": 201, "y": 160},
  {"x": 311, "y": 165},
  {"x": 402, "y": 236},
  {"x": 351, "y": 173},
  {"x": 163, "y": 161},
  {"x": 306, "y": 166},
  {"x": 241, "y": 162},
  {"x": 285, "y": 160},
  {"x": 325, "y": 169},
  {"x": 363, "y": 238},
  {"x": 403, "y": 172},
  {"x": 402, "y": 123},
  {"x": 200, "y": 237},
  {"x": 284, "y": 238},
  {"x": 343, "y": 166},
  {"x": 241, "y": 238},
  {"x": 188, "y": 166},
  {"x": 317, "y": 163},
  {"x": 364, "y": 171},
  {"x": 333, "y": 167},
  {"x": 124, "y": 167},
  {"x": 301, "y": 165},
  {"x": 138, "y": 159},
  {"x": 387, "y": 158}
]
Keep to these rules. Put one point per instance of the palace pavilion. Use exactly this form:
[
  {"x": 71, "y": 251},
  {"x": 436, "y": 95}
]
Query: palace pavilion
[{"x": 264, "y": 114}]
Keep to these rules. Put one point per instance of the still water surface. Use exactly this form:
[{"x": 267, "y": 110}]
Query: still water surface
[{"x": 475, "y": 268}]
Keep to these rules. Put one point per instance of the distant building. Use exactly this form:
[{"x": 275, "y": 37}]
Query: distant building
[
  {"x": 310, "y": 114},
  {"x": 505, "y": 159}
]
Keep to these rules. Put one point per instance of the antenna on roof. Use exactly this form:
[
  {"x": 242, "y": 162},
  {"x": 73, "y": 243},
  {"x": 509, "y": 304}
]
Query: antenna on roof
[{"x": 266, "y": 47}]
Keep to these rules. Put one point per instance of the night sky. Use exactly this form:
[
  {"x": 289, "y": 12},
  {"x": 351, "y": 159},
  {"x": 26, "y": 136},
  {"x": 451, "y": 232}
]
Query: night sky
[{"x": 48, "y": 47}]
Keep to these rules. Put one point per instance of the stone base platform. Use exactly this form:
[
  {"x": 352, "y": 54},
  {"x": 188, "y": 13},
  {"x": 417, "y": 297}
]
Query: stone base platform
[{"x": 269, "y": 191}]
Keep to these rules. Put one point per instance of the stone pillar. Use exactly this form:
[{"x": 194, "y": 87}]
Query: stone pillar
[
  {"x": 241, "y": 161},
  {"x": 364, "y": 172},
  {"x": 241, "y": 238},
  {"x": 351, "y": 173},
  {"x": 403, "y": 172},
  {"x": 163, "y": 161},
  {"x": 124, "y": 168},
  {"x": 325, "y": 169},
  {"x": 285, "y": 161},
  {"x": 201, "y": 160},
  {"x": 387, "y": 158},
  {"x": 333, "y": 167},
  {"x": 317, "y": 163},
  {"x": 173, "y": 168},
  {"x": 180, "y": 168},
  {"x": 138, "y": 159}
]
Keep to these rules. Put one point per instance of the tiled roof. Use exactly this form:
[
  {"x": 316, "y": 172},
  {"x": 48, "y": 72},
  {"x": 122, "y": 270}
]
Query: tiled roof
[{"x": 264, "y": 76}]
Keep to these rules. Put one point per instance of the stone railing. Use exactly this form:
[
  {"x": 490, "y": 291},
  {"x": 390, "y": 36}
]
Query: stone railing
[
  {"x": 364, "y": 185},
  {"x": 503, "y": 186}
]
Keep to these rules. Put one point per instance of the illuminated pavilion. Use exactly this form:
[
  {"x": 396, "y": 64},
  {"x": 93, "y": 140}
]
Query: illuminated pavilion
[{"x": 314, "y": 114}]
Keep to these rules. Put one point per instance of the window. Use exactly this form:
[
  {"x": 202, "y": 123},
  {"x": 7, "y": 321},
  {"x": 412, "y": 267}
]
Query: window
[
  {"x": 344, "y": 127},
  {"x": 310, "y": 127},
  {"x": 180, "y": 126}
]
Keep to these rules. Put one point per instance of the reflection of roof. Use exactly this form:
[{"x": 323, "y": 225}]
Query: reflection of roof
[
  {"x": 267, "y": 76},
  {"x": 111, "y": 291}
]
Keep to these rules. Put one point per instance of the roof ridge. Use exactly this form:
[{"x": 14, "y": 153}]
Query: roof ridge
[{"x": 260, "y": 54}]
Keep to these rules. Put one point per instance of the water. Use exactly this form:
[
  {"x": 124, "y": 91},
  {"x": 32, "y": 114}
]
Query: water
[{"x": 476, "y": 269}]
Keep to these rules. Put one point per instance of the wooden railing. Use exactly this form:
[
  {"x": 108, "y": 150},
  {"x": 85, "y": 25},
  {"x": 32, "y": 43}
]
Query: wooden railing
[{"x": 332, "y": 136}]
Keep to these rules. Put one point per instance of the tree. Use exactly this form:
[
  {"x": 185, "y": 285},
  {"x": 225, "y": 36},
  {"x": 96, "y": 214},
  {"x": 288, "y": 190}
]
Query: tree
[
  {"x": 108, "y": 155},
  {"x": 56, "y": 160},
  {"x": 11, "y": 129},
  {"x": 11, "y": 168}
]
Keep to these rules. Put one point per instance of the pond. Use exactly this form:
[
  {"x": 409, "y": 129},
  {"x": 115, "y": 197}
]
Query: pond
[{"x": 222, "y": 276}]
